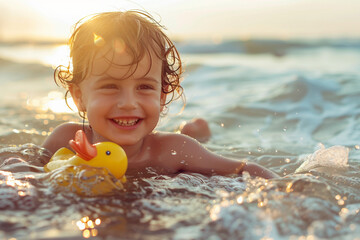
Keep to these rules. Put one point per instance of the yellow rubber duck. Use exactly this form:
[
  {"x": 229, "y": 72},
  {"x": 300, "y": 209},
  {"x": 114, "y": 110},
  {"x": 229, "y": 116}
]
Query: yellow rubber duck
[{"x": 103, "y": 154}]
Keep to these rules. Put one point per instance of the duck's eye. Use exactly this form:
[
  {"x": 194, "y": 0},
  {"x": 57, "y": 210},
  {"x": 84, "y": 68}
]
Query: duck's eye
[{"x": 108, "y": 152}]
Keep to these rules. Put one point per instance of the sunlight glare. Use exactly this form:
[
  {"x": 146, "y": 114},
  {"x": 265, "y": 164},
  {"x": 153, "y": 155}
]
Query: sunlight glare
[
  {"x": 10, "y": 180},
  {"x": 59, "y": 106},
  {"x": 119, "y": 46},
  {"x": 98, "y": 40},
  {"x": 53, "y": 102},
  {"x": 59, "y": 56},
  {"x": 87, "y": 226}
]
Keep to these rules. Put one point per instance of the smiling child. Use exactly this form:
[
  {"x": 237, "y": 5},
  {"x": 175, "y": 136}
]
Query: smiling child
[{"x": 124, "y": 72}]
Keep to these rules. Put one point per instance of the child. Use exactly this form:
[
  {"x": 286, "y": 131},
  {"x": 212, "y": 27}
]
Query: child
[{"x": 125, "y": 72}]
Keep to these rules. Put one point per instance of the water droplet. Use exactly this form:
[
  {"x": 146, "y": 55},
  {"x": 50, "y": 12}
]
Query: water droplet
[
  {"x": 182, "y": 162},
  {"x": 240, "y": 200},
  {"x": 16, "y": 131},
  {"x": 173, "y": 152}
]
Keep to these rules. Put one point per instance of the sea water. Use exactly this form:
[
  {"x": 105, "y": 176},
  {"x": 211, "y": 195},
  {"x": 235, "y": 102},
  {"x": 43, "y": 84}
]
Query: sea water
[{"x": 291, "y": 106}]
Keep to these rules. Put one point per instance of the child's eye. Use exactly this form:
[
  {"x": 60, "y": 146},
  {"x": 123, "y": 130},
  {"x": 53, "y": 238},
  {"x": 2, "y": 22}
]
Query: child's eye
[
  {"x": 109, "y": 86},
  {"x": 145, "y": 87}
]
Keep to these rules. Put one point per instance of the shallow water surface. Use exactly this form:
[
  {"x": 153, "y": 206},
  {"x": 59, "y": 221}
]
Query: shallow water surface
[{"x": 272, "y": 105}]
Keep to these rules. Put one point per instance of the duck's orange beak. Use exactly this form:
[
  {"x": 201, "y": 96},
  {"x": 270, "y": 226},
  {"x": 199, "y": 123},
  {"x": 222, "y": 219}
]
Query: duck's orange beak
[{"x": 82, "y": 147}]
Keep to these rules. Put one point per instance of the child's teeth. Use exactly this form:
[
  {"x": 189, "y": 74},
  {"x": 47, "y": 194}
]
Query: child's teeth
[{"x": 125, "y": 122}]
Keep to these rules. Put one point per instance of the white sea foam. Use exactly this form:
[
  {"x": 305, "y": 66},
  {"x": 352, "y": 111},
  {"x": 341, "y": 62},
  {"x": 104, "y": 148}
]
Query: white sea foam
[{"x": 332, "y": 158}]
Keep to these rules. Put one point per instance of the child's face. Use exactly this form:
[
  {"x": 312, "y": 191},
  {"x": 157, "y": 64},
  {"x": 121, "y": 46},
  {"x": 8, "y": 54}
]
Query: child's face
[{"x": 121, "y": 107}]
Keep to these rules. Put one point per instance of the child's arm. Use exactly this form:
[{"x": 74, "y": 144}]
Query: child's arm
[
  {"x": 256, "y": 170},
  {"x": 180, "y": 152}
]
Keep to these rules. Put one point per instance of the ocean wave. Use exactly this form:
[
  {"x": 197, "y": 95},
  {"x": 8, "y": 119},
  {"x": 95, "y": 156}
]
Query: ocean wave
[
  {"x": 262, "y": 46},
  {"x": 303, "y": 110},
  {"x": 276, "y": 47},
  {"x": 12, "y": 70}
]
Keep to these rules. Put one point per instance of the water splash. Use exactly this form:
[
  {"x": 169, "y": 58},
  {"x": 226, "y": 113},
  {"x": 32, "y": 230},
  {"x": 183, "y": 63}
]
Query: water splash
[
  {"x": 335, "y": 157},
  {"x": 84, "y": 181},
  {"x": 16, "y": 194}
]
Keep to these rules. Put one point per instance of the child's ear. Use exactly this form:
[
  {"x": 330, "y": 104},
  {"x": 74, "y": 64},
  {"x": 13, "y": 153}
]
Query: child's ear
[{"x": 75, "y": 92}]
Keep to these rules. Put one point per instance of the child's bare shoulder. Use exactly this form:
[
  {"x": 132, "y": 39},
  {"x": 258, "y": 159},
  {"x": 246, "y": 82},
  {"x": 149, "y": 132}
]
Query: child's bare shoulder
[
  {"x": 61, "y": 136},
  {"x": 69, "y": 126},
  {"x": 169, "y": 149},
  {"x": 172, "y": 138},
  {"x": 176, "y": 142}
]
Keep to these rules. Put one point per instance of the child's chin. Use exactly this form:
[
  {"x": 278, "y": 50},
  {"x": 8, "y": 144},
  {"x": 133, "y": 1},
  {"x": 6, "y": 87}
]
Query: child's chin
[{"x": 126, "y": 142}]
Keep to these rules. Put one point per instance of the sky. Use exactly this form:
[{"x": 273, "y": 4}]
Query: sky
[{"x": 196, "y": 19}]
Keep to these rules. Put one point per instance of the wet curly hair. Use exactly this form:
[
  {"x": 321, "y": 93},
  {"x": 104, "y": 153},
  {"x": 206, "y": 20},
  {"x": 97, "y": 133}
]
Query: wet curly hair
[{"x": 136, "y": 31}]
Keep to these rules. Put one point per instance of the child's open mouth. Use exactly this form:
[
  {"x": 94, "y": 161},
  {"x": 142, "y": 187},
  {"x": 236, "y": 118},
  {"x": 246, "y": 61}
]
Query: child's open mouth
[{"x": 126, "y": 122}]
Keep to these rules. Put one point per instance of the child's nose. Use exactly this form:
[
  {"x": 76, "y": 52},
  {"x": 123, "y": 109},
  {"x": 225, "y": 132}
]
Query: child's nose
[{"x": 127, "y": 100}]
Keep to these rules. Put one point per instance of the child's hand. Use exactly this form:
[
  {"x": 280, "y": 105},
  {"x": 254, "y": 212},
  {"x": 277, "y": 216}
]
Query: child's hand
[
  {"x": 256, "y": 170},
  {"x": 198, "y": 128}
]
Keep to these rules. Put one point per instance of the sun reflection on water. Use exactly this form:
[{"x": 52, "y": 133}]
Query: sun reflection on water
[
  {"x": 88, "y": 226},
  {"x": 59, "y": 106},
  {"x": 58, "y": 56},
  {"x": 53, "y": 102},
  {"x": 8, "y": 179}
]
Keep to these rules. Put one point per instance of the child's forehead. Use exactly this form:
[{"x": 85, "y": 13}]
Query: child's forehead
[{"x": 118, "y": 63}]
